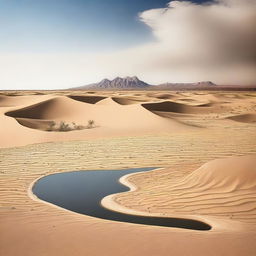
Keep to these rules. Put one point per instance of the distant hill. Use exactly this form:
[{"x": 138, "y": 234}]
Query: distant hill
[
  {"x": 117, "y": 83},
  {"x": 187, "y": 86},
  {"x": 134, "y": 83}
]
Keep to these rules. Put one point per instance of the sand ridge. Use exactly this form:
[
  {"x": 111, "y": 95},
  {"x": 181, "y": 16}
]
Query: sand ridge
[
  {"x": 88, "y": 99},
  {"x": 244, "y": 118},
  {"x": 170, "y": 106},
  {"x": 110, "y": 118},
  {"x": 223, "y": 187}
]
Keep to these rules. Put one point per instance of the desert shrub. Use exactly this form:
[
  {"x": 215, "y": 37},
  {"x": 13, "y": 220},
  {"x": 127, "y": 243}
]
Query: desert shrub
[
  {"x": 91, "y": 124},
  {"x": 78, "y": 127},
  {"x": 65, "y": 127},
  {"x": 51, "y": 126}
]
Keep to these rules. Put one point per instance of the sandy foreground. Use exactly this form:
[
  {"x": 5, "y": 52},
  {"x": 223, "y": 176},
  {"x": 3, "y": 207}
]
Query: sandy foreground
[{"x": 204, "y": 143}]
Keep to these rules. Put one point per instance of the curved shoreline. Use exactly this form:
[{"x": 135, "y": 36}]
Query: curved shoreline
[
  {"x": 96, "y": 209},
  {"x": 109, "y": 203}
]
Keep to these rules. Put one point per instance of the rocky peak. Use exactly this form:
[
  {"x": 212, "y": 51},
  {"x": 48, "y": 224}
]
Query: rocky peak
[{"x": 122, "y": 83}]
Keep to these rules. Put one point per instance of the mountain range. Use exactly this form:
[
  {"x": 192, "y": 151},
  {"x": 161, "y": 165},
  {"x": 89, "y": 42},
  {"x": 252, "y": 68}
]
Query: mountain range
[
  {"x": 134, "y": 83},
  {"x": 117, "y": 83}
]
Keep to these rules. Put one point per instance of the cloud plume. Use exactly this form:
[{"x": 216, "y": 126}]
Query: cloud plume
[{"x": 213, "y": 41}]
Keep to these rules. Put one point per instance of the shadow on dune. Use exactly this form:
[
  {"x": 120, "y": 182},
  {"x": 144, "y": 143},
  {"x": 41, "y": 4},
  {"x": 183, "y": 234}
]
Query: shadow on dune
[
  {"x": 87, "y": 99},
  {"x": 170, "y": 106},
  {"x": 125, "y": 101},
  {"x": 35, "y": 111},
  {"x": 37, "y": 124},
  {"x": 244, "y": 118},
  {"x": 50, "y": 109}
]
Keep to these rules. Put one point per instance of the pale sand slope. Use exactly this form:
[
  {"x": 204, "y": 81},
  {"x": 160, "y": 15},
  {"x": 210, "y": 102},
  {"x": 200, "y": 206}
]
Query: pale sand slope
[
  {"x": 217, "y": 193},
  {"x": 13, "y": 101},
  {"x": 223, "y": 187},
  {"x": 111, "y": 119}
]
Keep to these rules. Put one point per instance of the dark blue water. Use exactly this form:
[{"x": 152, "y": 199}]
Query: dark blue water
[{"x": 82, "y": 192}]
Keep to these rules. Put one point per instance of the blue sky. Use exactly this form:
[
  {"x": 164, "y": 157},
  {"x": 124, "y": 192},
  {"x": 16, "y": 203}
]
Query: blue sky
[{"x": 73, "y": 25}]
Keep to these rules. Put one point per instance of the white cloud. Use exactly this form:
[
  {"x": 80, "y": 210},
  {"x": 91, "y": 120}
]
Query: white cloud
[
  {"x": 214, "y": 41},
  {"x": 193, "y": 42}
]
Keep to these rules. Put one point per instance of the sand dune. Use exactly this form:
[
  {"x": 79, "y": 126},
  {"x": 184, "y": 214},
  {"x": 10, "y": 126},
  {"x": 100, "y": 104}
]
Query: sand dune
[
  {"x": 87, "y": 99},
  {"x": 170, "y": 106},
  {"x": 165, "y": 96},
  {"x": 117, "y": 113},
  {"x": 35, "y": 123},
  {"x": 63, "y": 108},
  {"x": 56, "y": 108},
  {"x": 162, "y": 95},
  {"x": 12, "y": 101},
  {"x": 244, "y": 118},
  {"x": 110, "y": 118},
  {"x": 223, "y": 187},
  {"x": 125, "y": 100},
  {"x": 232, "y": 96},
  {"x": 187, "y": 100},
  {"x": 235, "y": 172}
]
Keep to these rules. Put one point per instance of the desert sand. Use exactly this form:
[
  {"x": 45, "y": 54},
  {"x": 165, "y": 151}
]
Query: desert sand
[{"x": 201, "y": 143}]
